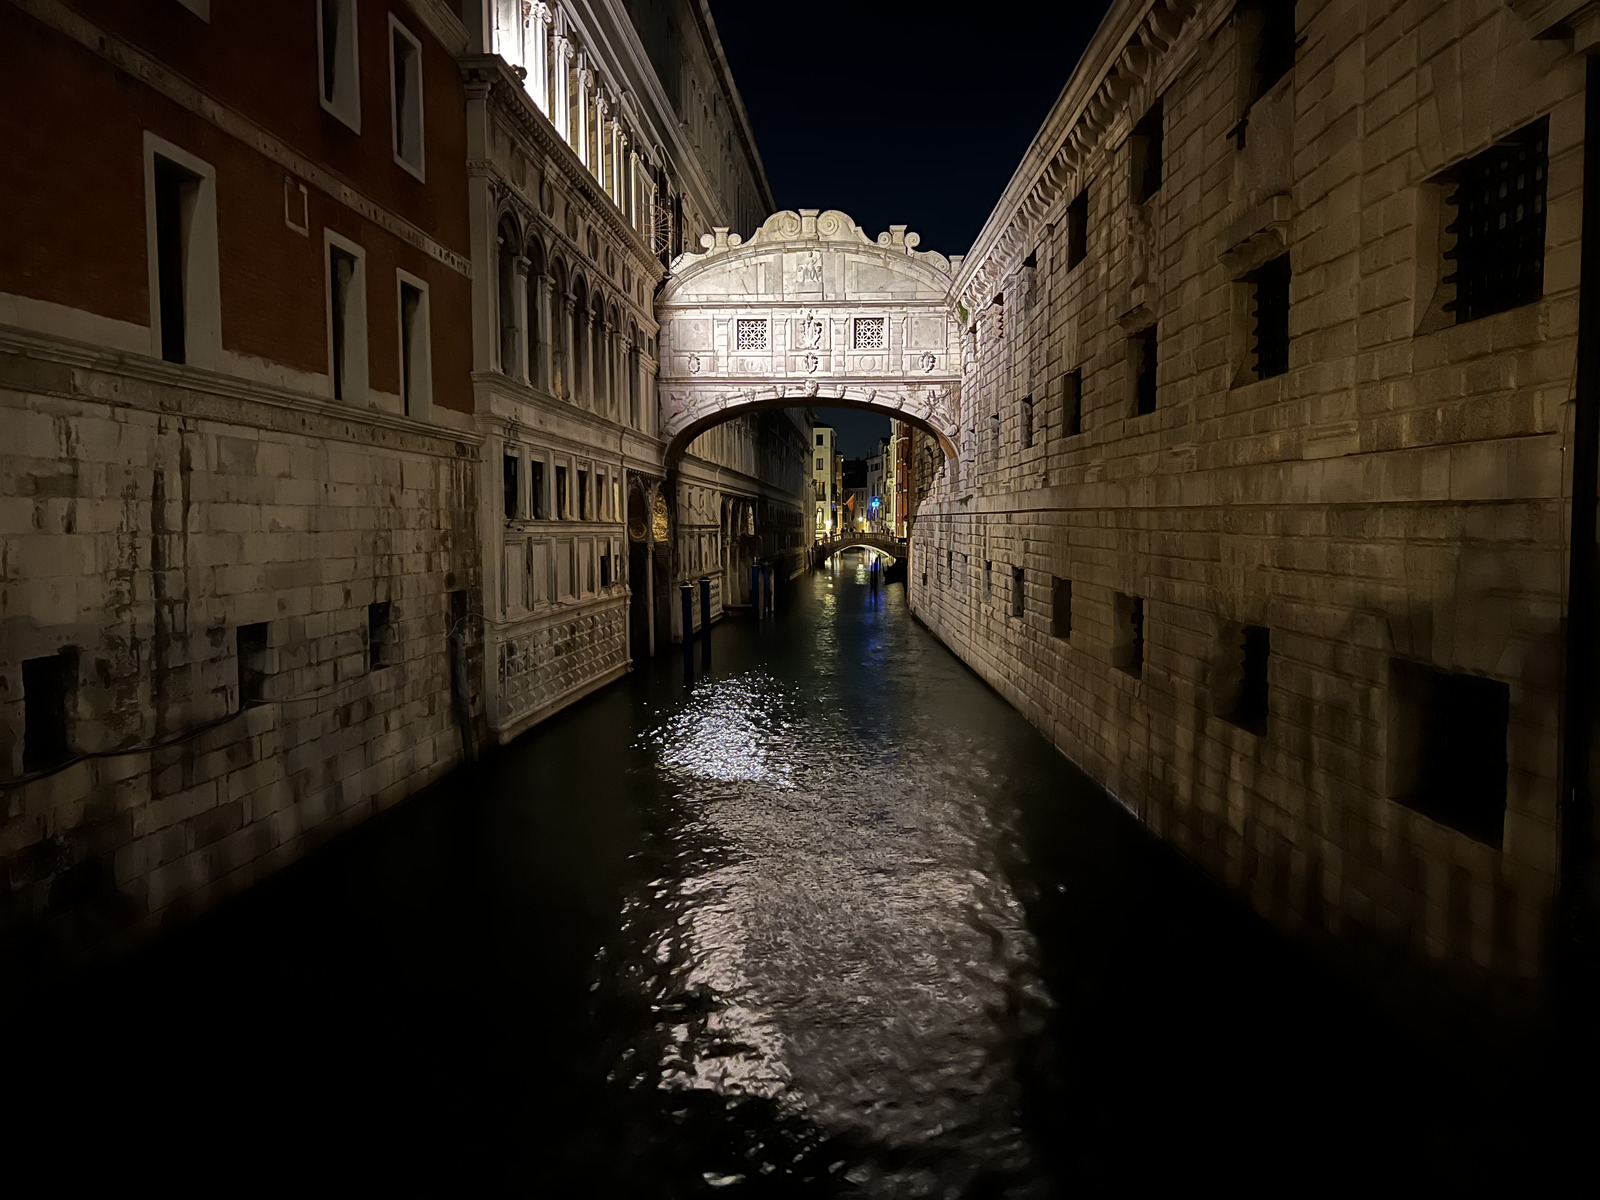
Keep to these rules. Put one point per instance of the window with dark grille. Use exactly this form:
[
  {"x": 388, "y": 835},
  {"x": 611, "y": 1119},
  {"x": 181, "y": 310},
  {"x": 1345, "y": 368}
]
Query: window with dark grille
[
  {"x": 1269, "y": 318},
  {"x": 1026, "y": 424},
  {"x": 1248, "y": 650},
  {"x": 950, "y": 565},
  {"x": 988, "y": 579},
  {"x": 47, "y": 687},
  {"x": 250, "y": 642},
  {"x": 1017, "y": 596},
  {"x": 1147, "y": 150},
  {"x": 1498, "y": 225},
  {"x": 1078, "y": 229},
  {"x": 512, "y": 473},
  {"x": 536, "y": 492},
  {"x": 1144, "y": 370},
  {"x": 1072, "y": 403},
  {"x": 1127, "y": 648},
  {"x": 380, "y": 636},
  {"x": 1060, "y": 607},
  {"x": 1447, "y": 747}
]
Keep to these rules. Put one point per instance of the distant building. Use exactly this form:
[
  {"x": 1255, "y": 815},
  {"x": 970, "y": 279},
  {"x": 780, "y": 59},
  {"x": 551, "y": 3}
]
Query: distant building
[{"x": 824, "y": 486}]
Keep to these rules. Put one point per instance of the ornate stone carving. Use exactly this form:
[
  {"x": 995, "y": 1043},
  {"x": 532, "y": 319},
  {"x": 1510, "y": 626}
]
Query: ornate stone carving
[
  {"x": 810, "y": 269},
  {"x": 810, "y": 330},
  {"x": 928, "y": 361},
  {"x": 812, "y": 362},
  {"x": 694, "y": 364}
]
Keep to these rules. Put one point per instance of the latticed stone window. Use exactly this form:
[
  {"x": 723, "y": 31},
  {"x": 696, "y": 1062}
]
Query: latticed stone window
[
  {"x": 750, "y": 333},
  {"x": 1499, "y": 225},
  {"x": 871, "y": 333}
]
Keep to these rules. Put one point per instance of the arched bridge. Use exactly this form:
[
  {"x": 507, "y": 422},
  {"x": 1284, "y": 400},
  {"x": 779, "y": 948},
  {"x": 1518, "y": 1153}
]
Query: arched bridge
[{"x": 894, "y": 548}]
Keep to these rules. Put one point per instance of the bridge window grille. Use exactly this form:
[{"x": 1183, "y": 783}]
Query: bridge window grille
[
  {"x": 250, "y": 646},
  {"x": 751, "y": 334},
  {"x": 1447, "y": 747},
  {"x": 1078, "y": 229},
  {"x": 1143, "y": 345},
  {"x": 1060, "y": 607},
  {"x": 1026, "y": 423},
  {"x": 1072, "y": 403},
  {"x": 48, "y": 684},
  {"x": 1128, "y": 648},
  {"x": 1018, "y": 595},
  {"x": 870, "y": 333},
  {"x": 380, "y": 636},
  {"x": 1147, "y": 154},
  {"x": 1498, "y": 208},
  {"x": 1269, "y": 318}
]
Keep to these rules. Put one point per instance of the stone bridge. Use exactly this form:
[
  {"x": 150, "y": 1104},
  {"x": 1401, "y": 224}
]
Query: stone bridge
[
  {"x": 894, "y": 547},
  {"x": 809, "y": 311}
]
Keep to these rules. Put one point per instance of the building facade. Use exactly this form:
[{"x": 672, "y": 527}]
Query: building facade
[
  {"x": 1272, "y": 338},
  {"x": 241, "y": 463},
  {"x": 823, "y": 438}
]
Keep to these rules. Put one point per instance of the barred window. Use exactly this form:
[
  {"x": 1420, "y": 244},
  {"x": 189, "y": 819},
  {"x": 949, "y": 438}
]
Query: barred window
[
  {"x": 1143, "y": 345},
  {"x": 1026, "y": 426},
  {"x": 1147, "y": 154},
  {"x": 1078, "y": 229},
  {"x": 1269, "y": 318},
  {"x": 1072, "y": 403},
  {"x": 750, "y": 333},
  {"x": 1498, "y": 205},
  {"x": 871, "y": 333}
]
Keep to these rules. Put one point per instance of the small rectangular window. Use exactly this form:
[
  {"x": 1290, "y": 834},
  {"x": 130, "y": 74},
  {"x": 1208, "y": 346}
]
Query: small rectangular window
[
  {"x": 513, "y": 477},
  {"x": 1268, "y": 288},
  {"x": 1025, "y": 415},
  {"x": 870, "y": 333},
  {"x": 988, "y": 579},
  {"x": 605, "y": 569},
  {"x": 347, "y": 323},
  {"x": 1072, "y": 403},
  {"x": 1060, "y": 607},
  {"x": 177, "y": 192},
  {"x": 1268, "y": 29},
  {"x": 48, "y": 685},
  {"x": 416, "y": 358},
  {"x": 1143, "y": 346},
  {"x": 563, "y": 500},
  {"x": 1147, "y": 151},
  {"x": 1127, "y": 646},
  {"x": 380, "y": 636},
  {"x": 339, "y": 64},
  {"x": 1447, "y": 747},
  {"x": 1497, "y": 211},
  {"x": 583, "y": 495},
  {"x": 819, "y": 464},
  {"x": 536, "y": 504},
  {"x": 405, "y": 80},
  {"x": 1078, "y": 229},
  {"x": 250, "y": 644},
  {"x": 819, "y": 439},
  {"x": 1241, "y": 672},
  {"x": 1017, "y": 596},
  {"x": 751, "y": 333}
]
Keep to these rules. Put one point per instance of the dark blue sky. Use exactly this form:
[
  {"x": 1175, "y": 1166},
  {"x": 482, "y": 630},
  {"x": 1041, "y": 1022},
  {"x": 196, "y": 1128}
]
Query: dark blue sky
[{"x": 917, "y": 114}]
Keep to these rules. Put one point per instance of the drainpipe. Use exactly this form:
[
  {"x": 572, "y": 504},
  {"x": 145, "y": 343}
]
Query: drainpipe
[{"x": 1575, "y": 946}]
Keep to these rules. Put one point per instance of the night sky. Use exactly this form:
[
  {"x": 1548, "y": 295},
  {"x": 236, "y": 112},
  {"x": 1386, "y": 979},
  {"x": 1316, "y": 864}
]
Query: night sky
[{"x": 910, "y": 114}]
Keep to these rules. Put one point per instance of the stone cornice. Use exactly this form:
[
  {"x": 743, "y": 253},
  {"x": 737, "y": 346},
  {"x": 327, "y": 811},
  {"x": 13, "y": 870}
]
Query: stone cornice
[{"x": 1122, "y": 59}]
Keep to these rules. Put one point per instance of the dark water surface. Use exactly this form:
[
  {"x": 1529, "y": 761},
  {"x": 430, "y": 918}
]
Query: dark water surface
[{"x": 833, "y": 919}]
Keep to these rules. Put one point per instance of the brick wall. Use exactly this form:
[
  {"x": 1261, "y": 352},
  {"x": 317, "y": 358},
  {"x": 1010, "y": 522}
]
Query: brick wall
[{"x": 1397, "y": 494}]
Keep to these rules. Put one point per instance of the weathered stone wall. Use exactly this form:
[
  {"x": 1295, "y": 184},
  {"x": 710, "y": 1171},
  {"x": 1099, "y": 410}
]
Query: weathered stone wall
[
  {"x": 144, "y": 521},
  {"x": 1396, "y": 495}
]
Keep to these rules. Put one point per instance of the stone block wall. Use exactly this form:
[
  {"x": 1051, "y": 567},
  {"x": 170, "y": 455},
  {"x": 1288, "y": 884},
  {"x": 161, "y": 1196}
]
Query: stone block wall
[
  {"x": 1395, "y": 497},
  {"x": 145, "y": 519}
]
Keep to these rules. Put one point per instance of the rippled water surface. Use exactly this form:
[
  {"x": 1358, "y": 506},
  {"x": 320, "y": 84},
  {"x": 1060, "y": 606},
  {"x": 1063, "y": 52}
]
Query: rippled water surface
[{"x": 830, "y": 919}]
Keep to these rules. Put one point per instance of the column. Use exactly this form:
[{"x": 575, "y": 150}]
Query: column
[
  {"x": 569, "y": 364},
  {"x": 618, "y": 144},
  {"x": 585, "y": 79},
  {"x": 602, "y": 134},
  {"x": 538, "y": 51},
  {"x": 582, "y": 393},
  {"x": 541, "y": 327},
  {"x": 519, "y": 309},
  {"x": 562, "y": 100}
]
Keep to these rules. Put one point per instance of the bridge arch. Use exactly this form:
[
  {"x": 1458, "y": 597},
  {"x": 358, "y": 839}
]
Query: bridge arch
[
  {"x": 891, "y": 548},
  {"x": 809, "y": 311}
]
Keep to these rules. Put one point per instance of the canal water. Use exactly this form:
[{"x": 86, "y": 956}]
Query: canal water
[{"x": 827, "y": 919}]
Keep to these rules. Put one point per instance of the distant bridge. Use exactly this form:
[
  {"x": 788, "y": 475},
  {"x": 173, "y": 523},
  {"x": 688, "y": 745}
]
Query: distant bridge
[{"x": 893, "y": 547}]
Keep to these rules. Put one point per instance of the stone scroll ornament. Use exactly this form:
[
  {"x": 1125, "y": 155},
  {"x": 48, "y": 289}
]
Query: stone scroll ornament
[{"x": 810, "y": 330}]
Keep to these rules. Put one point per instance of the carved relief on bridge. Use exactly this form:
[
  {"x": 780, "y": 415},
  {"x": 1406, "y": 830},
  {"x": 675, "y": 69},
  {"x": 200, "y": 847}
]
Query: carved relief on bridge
[{"x": 810, "y": 310}]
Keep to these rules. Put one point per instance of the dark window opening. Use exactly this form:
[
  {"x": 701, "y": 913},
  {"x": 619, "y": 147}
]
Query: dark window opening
[
  {"x": 1147, "y": 150},
  {"x": 413, "y": 348},
  {"x": 1078, "y": 229},
  {"x": 1128, "y": 646},
  {"x": 536, "y": 491},
  {"x": 563, "y": 502},
  {"x": 988, "y": 579},
  {"x": 1072, "y": 403},
  {"x": 1498, "y": 205},
  {"x": 341, "y": 281},
  {"x": 583, "y": 495},
  {"x": 1144, "y": 371},
  {"x": 330, "y": 46},
  {"x": 380, "y": 636},
  {"x": 1027, "y": 422},
  {"x": 513, "y": 473},
  {"x": 1017, "y": 595},
  {"x": 1060, "y": 607},
  {"x": 605, "y": 570},
  {"x": 1248, "y": 650},
  {"x": 1447, "y": 747},
  {"x": 47, "y": 687},
  {"x": 1269, "y": 318},
  {"x": 177, "y": 192},
  {"x": 250, "y": 643},
  {"x": 1267, "y": 44}
]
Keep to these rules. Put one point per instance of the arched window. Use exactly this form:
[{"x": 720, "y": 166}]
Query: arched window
[
  {"x": 511, "y": 335},
  {"x": 602, "y": 359},
  {"x": 633, "y": 376}
]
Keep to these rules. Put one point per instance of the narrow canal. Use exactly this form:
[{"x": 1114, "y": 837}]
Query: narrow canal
[{"x": 830, "y": 919}]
